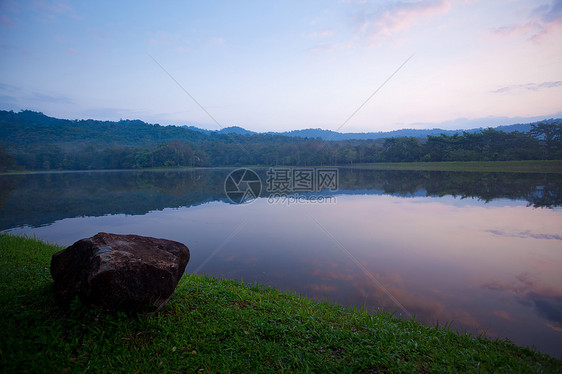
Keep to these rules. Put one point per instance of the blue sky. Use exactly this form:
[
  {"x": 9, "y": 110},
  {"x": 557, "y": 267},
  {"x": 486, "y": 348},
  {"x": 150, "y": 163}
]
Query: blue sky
[{"x": 283, "y": 65}]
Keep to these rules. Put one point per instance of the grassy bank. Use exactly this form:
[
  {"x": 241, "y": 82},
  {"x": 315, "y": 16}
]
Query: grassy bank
[
  {"x": 530, "y": 166},
  {"x": 213, "y": 325}
]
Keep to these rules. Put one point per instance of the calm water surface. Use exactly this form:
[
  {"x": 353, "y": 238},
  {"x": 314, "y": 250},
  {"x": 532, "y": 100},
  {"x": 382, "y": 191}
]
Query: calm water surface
[{"x": 483, "y": 250}]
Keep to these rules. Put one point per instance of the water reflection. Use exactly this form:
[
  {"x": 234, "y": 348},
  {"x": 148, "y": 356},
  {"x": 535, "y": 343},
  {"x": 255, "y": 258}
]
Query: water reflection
[
  {"x": 41, "y": 199},
  {"x": 471, "y": 252}
]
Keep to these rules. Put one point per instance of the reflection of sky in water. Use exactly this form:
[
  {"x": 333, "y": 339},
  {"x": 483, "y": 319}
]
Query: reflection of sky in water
[{"x": 489, "y": 267}]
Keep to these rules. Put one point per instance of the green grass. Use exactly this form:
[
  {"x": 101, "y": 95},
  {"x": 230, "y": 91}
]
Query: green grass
[
  {"x": 530, "y": 166},
  {"x": 213, "y": 325}
]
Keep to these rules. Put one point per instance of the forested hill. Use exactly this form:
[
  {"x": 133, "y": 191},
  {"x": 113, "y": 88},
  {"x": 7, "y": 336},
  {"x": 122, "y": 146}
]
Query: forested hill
[
  {"x": 416, "y": 133},
  {"x": 27, "y": 127},
  {"x": 33, "y": 141}
]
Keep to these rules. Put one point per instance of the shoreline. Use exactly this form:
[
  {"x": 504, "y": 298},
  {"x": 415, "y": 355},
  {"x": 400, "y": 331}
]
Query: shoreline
[
  {"x": 217, "y": 325},
  {"x": 525, "y": 166}
]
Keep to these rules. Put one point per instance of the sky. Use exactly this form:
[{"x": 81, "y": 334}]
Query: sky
[{"x": 342, "y": 65}]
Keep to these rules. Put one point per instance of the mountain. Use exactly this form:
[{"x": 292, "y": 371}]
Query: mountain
[
  {"x": 28, "y": 127},
  {"x": 336, "y": 136},
  {"x": 236, "y": 130},
  {"x": 332, "y": 135},
  {"x": 34, "y": 141},
  {"x": 227, "y": 130},
  {"x": 484, "y": 122},
  {"x": 416, "y": 133}
]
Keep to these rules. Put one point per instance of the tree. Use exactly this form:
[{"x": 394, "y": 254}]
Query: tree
[
  {"x": 6, "y": 160},
  {"x": 402, "y": 149},
  {"x": 550, "y": 137}
]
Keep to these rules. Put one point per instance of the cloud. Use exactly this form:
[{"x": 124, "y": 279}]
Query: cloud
[
  {"x": 324, "y": 288},
  {"x": 53, "y": 6},
  {"x": 39, "y": 97},
  {"x": 24, "y": 99},
  {"x": 551, "y": 309},
  {"x": 217, "y": 41},
  {"x": 72, "y": 51},
  {"x": 504, "y": 314},
  {"x": 8, "y": 95},
  {"x": 321, "y": 34},
  {"x": 160, "y": 38},
  {"x": 109, "y": 113},
  {"x": 392, "y": 18},
  {"x": 7, "y": 87},
  {"x": 51, "y": 9},
  {"x": 528, "y": 87},
  {"x": 169, "y": 40},
  {"x": 100, "y": 35},
  {"x": 552, "y": 13},
  {"x": 516, "y": 29},
  {"x": 555, "y": 328},
  {"x": 425, "y": 305},
  {"x": 543, "y": 20},
  {"x": 15, "y": 48},
  {"x": 328, "y": 47},
  {"x": 524, "y": 234},
  {"x": 528, "y": 291},
  {"x": 6, "y": 21}
]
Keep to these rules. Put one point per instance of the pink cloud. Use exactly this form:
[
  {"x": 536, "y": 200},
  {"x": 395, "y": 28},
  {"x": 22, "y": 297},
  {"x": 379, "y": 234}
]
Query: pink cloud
[
  {"x": 217, "y": 41},
  {"x": 528, "y": 290},
  {"x": 322, "y": 288},
  {"x": 50, "y": 9},
  {"x": 329, "y": 47},
  {"x": 164, "y": 38},
  {"x": 503, "y": 314},
  {"x": 555, "y": 328},
  {"x": 98, "y": 34},
  {"x": 542, "y": 21},
  {"x": 321, "y": 34},
  {"x": 6, "y": 21},
  {"x": 526, "y": 233},
  {"x": 400, "y": 16},
  {"x": 517, "y": 29}
]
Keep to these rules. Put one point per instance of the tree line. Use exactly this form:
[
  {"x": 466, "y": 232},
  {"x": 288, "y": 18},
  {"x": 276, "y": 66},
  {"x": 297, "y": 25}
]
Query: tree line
[
  {"x": 39, "y": 142},
  {"x": 45, "y": 198}
]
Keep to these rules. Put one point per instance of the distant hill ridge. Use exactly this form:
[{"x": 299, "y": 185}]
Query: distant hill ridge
[
  {"x": 34, "y": 141},
  {"x": 28, "y": 127},
  {"x": 333, "y": 135}
]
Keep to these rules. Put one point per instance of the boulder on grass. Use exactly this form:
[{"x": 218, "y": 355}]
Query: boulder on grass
[{"x": 128, "y": 273}]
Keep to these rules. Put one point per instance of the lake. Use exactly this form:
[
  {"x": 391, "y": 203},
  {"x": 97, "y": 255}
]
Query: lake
[{"x": 482, "y": 251}]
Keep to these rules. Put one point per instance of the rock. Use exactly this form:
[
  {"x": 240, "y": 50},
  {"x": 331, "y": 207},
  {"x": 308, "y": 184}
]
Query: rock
[{"x": 127, "y": 273}]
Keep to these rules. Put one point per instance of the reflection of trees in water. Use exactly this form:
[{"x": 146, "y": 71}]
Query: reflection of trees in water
[
  {"x": 7, "y": 185},
  {"x": 540, "y": 190},
  {"x": 39, "y": 199},
  {"x": 549, "y": 195}
]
